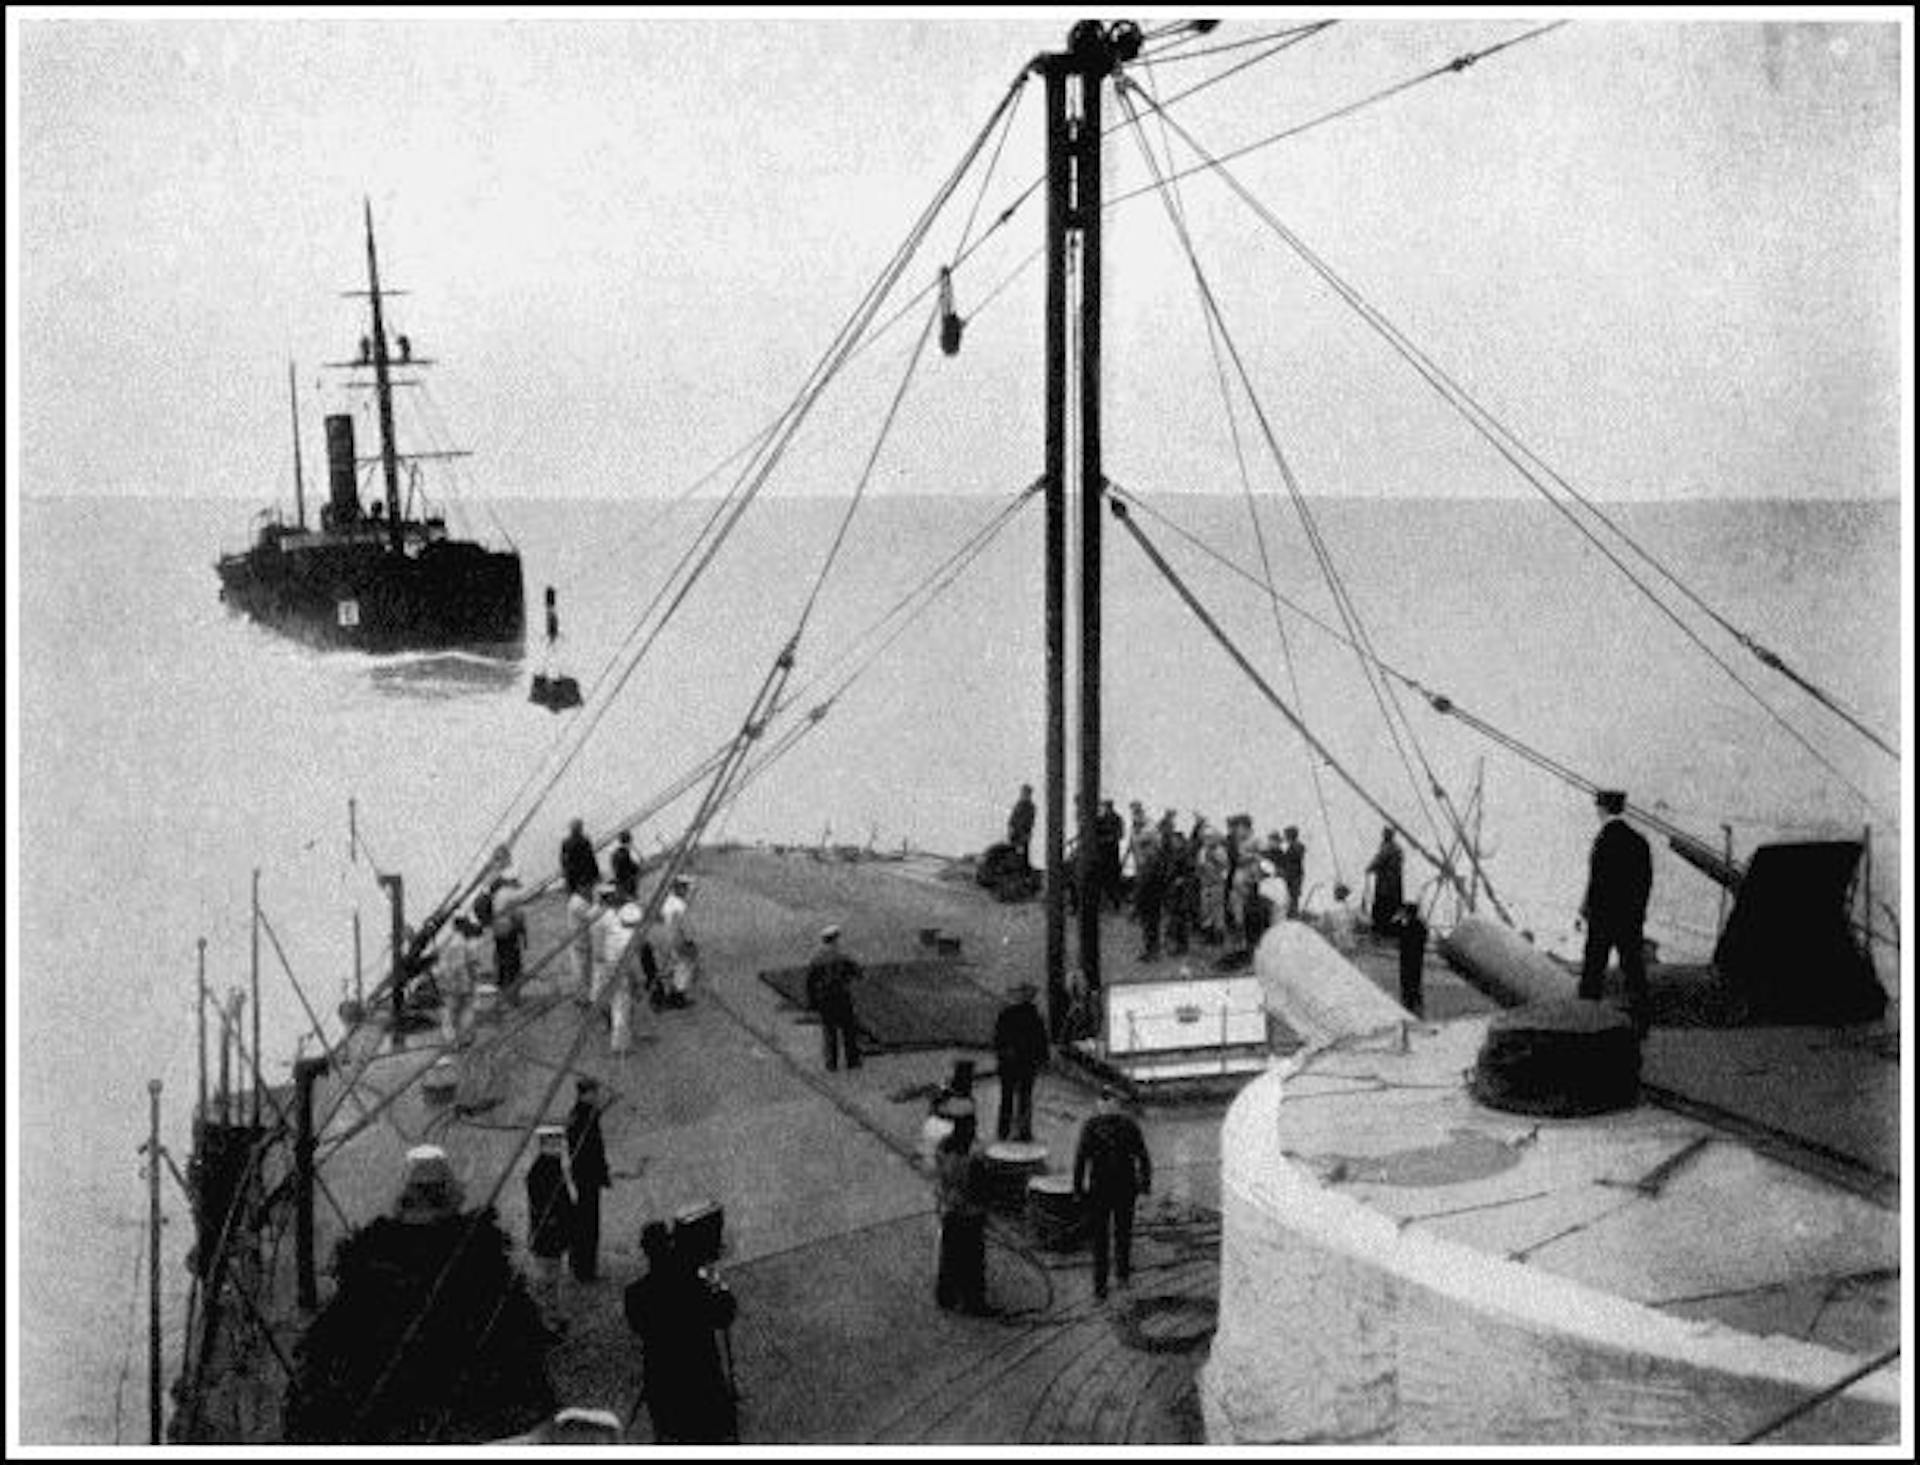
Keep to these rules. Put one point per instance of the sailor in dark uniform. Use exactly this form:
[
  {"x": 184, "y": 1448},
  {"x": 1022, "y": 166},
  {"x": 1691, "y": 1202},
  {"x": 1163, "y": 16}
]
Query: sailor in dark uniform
[
  {"x": 587, "y": 1153},
  {"x": 578, "y": 865},
  {"x": 1020, "y": 824},
  {"x": 1619, "y": 880},
  {"x": 830, "y": 978}
]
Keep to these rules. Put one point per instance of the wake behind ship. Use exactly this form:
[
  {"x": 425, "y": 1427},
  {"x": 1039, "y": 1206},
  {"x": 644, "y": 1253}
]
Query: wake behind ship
[{"x": 383, "y": 578}]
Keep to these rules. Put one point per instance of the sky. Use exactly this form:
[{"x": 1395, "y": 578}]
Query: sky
[{"x": 1669, "y": 254}]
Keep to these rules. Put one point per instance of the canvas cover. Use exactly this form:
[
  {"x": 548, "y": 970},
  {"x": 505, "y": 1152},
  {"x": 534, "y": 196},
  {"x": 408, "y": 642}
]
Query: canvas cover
[{"x": 1789, "y": 948}]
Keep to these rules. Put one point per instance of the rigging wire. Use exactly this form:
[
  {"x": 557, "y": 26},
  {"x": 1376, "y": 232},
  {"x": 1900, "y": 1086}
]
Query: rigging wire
[
  {"x": 1177, "y": 51},
  {"x": 986, "y": 178},
  {"x": 732, "y": 507},
  {"x": 942, "y": 578},
  {"x": 866, "y": 474},
  {"x": 1226, "y": 643},
  {"x": 750, "y": 730},
  {"x": 1441, "y": 703},
  {"x": 1292, "y": 40},
  {"x": 1457, "y": 64},
  {"x": 1500, "y": 439},
  {"x": 1253, "y": 518},
  {"x": 1349, "y": 612},
  {"x": 1033, "y": 187},
  {"x": 133, "y": 1325}
]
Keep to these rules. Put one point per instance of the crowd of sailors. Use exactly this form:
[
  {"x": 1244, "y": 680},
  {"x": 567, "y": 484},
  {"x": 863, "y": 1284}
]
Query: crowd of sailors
[
  {"x": 616, "y": 966},
  {"x": 1218, "y": 887}
]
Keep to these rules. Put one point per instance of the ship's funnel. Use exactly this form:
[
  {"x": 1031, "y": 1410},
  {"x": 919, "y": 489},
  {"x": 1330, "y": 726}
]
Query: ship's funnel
[{"x": 343, "y": 484}]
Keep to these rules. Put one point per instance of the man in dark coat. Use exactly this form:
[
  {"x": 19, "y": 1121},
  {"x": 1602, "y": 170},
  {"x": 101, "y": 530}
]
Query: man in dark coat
[
  {"x": 509, "y": 945},
  {"x": 677, "y": 1312},
  {"x": 587, "y": 1150},
  {"x": 1020, "y": 824},
  {"x": 1020, "y": 1046},
  {"x": 1111, "y": 832},
  {"x": 1385, "y": 870},
  {"x": 830, "y": 978},
  {"x": 549, "y": 1220},
  {"x": 1111, "y": 1167},
  {"x": 624, "y": 868},
  {"x": 1182, "y": 891},
  {"x": 1150, "y": 892},
  {"x": 1412, "y": 935},
  {"x": 1619, "y": 882},
  {"x": 578, "y": 865},
  {"x": 960, "y": 1191},
  {"x": 1290, "y": 860}
]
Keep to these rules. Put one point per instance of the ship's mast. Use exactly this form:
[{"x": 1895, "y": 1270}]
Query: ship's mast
[
  {"x": 1074, "y": 80},
  {"x": 299, "y": 478},
  {"x": 383, "y": 394}
]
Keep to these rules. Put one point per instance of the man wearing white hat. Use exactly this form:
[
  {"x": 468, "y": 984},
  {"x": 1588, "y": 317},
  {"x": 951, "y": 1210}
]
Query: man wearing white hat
[
  {"x": 830, "y": 977},
  {"x": 617, "y": 951},
  {"x": 457, "y": 973},
  {"x": 583, "y": 909},
  {"x": 676, "y": 932}
]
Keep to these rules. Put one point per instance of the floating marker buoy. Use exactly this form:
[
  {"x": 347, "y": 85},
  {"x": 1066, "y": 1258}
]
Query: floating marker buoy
[
  {"x": 951, "y": 325},
  {"x": 552, "y": 690},
  {"x": 556, "y": 694}
]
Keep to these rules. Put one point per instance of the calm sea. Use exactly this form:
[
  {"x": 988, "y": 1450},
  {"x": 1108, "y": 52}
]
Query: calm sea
[{"x": 168, "y": 750}]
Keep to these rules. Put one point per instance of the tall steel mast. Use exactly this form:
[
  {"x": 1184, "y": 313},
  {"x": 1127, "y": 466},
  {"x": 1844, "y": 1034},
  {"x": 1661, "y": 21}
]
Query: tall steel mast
[
  {"x": 383, "y": 394},
  {"x": 1074, "y": 79}
]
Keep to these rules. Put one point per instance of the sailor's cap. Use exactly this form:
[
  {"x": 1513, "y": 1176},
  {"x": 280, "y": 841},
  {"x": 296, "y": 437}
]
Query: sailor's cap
[
  {"x": 829, "y": 933},
  {"x": 550, "y": 1134}
]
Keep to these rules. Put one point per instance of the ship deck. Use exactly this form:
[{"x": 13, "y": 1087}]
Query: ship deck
[{"x": 829, "y": 1218}]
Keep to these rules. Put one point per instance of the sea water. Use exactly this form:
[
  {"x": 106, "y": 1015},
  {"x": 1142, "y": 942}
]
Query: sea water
[{"x": 168, "y": 750}]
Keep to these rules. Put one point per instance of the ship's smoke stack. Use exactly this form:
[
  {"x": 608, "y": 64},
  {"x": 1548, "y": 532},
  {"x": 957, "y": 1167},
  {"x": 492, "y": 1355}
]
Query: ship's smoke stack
[{"x": 343, "y": 485}]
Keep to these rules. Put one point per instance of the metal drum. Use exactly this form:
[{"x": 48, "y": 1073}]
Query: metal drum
[
  {"x": 1010, "y": 1165},
  {"x": 486, "y": 1003},
  {"x": 1056, "y": 1218},
  {"x": 441, "y": 1081}
]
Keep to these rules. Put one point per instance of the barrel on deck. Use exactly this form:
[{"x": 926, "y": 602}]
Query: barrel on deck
[
  {"x": 486, "y": 1004},
  {"x": 1056, "y": 1219},
  {"x": 1010, "y": 1164},
  {"x": 441, "y": 1081}
]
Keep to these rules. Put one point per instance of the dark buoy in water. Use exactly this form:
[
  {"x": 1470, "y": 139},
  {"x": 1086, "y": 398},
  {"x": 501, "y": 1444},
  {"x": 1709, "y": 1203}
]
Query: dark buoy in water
[
  {"x": 553, "y": 690},
  {"x": 556, "y": 694}
]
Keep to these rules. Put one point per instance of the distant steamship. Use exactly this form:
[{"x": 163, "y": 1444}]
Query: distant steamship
[{"x": 376, "y": 579}]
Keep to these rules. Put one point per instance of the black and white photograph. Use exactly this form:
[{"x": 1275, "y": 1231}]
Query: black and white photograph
[{"x": 935, "y": 729}]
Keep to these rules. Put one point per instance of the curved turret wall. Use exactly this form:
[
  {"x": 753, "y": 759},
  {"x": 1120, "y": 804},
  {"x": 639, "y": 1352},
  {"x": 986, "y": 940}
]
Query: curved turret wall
[{"x": 1340, "y": 1326}]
